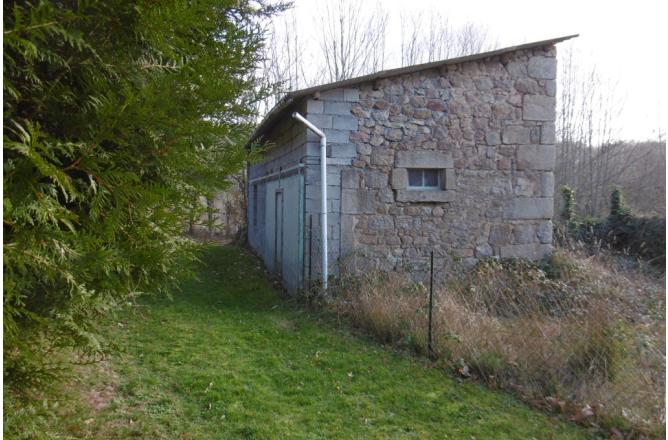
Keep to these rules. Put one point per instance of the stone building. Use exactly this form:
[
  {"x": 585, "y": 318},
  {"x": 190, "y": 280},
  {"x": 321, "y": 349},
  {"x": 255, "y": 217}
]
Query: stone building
[{"x": 453, "y": 156}]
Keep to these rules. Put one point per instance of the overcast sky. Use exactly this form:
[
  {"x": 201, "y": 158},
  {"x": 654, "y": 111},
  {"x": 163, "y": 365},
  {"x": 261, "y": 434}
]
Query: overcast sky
[{"x": 625, "y": 40}]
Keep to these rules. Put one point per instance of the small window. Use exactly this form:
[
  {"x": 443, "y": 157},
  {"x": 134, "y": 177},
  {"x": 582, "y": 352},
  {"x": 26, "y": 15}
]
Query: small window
[{"x": 422, "y": 179}]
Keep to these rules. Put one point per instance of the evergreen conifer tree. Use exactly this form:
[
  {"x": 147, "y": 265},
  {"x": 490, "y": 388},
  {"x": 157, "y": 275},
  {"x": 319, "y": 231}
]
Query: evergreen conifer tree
[{"x": 118, "y": 114}]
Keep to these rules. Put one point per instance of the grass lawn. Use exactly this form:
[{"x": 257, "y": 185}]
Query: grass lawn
[{"x": 229, "y": 358}]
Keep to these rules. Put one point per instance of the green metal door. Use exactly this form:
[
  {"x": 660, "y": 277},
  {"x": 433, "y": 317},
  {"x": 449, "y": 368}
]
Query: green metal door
[{"x": 283, "y": 253}]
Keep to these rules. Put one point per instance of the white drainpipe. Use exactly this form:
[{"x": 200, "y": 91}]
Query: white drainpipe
[{"x": 323, "y": 193}]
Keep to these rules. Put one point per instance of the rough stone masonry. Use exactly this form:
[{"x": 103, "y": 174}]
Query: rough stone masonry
[{"x": 489, "y": 124}]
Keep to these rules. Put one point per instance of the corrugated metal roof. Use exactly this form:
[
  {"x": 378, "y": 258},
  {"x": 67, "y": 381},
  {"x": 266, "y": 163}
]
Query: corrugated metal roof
[{"x": 292, "y": 97}]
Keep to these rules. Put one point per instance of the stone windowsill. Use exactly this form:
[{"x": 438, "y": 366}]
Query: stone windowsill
[{"x": 409, "y": 195}]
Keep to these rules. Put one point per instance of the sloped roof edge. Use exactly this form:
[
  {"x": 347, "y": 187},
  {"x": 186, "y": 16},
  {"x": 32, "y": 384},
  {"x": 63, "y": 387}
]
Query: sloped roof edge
[{"x": 292, "y": 97}]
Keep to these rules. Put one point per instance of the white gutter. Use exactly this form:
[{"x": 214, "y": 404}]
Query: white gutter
[{"x": 323, "y": 193}]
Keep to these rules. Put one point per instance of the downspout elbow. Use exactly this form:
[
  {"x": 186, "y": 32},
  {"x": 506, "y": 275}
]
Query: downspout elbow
[{"x": 323, "y": 184}]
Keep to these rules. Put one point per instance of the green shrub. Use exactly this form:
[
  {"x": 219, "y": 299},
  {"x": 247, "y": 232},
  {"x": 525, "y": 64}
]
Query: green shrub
[
  {"x": 598, "y": 356},
  {"x": 560, "y": 266},
  {"x": 489, "y": 364},
  {"x": 641, "y": 237},
  {"x": 568, "y": 212},
  {"x": 618, "y": 206},
  {"x": 117, "y": 116}
]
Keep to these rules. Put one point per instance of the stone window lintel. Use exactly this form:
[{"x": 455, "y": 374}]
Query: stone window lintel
[{"x": 423, "y": 159}]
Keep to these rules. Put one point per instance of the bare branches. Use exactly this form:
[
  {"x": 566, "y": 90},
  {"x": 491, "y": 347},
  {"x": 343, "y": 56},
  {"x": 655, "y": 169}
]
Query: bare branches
[
  {"x": 352, "y": 42},
  {"x": 434, "y": 38},
  {"x": 590, "y": 157},
  {"x": 282, "y": 63},
  {"x": 411, "y": 48}
]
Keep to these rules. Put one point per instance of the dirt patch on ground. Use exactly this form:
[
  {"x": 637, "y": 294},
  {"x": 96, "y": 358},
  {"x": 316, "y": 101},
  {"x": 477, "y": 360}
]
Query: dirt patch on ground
[
  {"x": 285, "y": 324},
  {"x": 102, "y": 390},
  {"x": 99, "y": 399}
]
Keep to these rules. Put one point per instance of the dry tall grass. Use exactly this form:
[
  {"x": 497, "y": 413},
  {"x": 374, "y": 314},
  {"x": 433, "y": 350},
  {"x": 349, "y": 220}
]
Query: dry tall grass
[{"x": 576, "y": 335}]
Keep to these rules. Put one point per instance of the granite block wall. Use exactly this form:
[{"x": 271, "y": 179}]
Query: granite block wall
[{"x": 489, "y": 125}]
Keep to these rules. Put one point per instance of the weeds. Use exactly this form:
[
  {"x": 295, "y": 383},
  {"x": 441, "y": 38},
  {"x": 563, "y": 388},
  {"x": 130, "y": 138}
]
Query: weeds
[{"x": 572, "y": 334}]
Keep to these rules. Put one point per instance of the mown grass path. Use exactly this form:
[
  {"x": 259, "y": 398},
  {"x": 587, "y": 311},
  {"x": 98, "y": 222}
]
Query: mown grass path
[{"x": 228, "y": 358}]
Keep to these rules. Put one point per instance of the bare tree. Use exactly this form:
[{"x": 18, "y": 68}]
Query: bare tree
[
  {"x": 441, "y": 40},
  {"x": 411, "y": 41},
  {"x": 471, "y": 39},
  {"x": 590, "y": 156},
  {"x": 434, "y": 38},
  {"x": 588, "y": 109},
  {"x": 352, "y": 41},
  {"x": 283, "y": 60}
]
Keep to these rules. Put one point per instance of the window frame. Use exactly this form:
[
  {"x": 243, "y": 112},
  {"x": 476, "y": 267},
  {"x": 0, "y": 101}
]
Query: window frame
[{"x": 423, "y": 187}]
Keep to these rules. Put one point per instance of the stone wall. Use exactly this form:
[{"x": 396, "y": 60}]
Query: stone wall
[{"x": 494, "y": 120}]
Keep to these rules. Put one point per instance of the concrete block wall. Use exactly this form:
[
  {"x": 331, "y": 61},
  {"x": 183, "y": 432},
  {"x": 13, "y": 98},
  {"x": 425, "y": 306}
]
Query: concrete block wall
[
  {"x": 286, "y": 144},
  {"x": 331, "y": 111}
]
